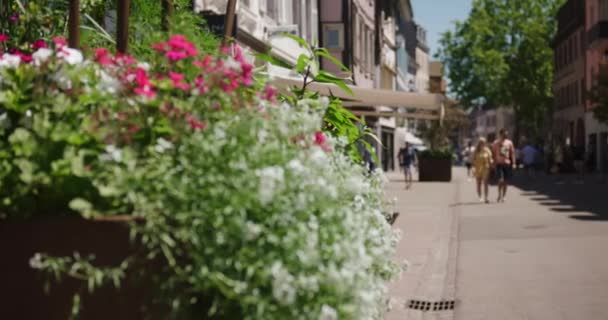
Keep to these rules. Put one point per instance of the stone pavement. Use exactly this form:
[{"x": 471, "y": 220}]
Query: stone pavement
[
  {"x": 427, "y": 224},
  {"x": 537, "y": 256},
  {"x": 541, "y": 255}
]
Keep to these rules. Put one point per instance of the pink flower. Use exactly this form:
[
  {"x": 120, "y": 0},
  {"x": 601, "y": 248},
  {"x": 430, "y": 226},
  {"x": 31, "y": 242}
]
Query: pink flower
[
  {"x": 26, "y": 57},
  {"x": 321, "y": 141},
  {"x": 203, "y": 63},
  {"x": 38, "y": 44},
  {"x": 141, "y": 77},
  {"x": 176, "y": 55},
  {"x": 14, "y": 18},
  {"x": 102, "y": 56},
  {"x": 269, "y": 93},
  {"x": 146, "y": 91},
  {"x": 60, "y": 42},
  {"x": 177, "y": 79},
  {"x": 194, "y": 123},
  {"x": 180, "y": 48},
  {"x": 176, "y": 76},
  {"x": 3, "y": 37},
  {"x": 201, "y": 85},
  {"x": 159, "y": 46},
  {"x": 125, "y": 59}
]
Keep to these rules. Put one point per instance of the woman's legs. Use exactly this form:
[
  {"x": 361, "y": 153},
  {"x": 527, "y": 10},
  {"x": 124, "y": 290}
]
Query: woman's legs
[
  {"x": 485, "y": 189},
  {"x": 479, "y": 182}
]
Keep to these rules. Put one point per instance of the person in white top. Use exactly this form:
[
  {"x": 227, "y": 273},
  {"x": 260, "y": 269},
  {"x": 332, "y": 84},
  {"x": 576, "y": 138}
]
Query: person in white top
[{"x": 467, "y": 157}]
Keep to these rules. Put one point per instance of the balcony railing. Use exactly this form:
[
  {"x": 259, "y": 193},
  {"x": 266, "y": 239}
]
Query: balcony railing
[{"x": 598, "y": 31}]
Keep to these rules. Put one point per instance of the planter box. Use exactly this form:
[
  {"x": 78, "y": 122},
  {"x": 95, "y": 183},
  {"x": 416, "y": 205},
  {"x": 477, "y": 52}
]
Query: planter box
[
  {"x": 434, "y": 169},
  {"x": 22, "y": 290}
]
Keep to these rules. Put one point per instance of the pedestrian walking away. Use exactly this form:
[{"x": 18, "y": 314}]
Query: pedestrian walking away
[
  {"x": 467, "y": 155},
  {"x": 482, "y": 160},
  {"x": 407, "y": 158},
  {"x": 504, "y": 154}
]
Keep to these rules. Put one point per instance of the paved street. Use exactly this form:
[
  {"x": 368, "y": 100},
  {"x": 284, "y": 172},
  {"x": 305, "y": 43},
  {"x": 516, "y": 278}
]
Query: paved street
[{"x": 537, "y": 256}]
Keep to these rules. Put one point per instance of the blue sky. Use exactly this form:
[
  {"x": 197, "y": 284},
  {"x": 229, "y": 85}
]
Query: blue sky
[{"x": 436, "y": 16}]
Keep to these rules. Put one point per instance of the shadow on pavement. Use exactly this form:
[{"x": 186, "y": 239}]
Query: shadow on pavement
[
  {"x": 567, "y": 194},
  {"x": 463, "y": 204}
]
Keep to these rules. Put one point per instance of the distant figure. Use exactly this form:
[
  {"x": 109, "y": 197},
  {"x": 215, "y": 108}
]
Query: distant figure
[
  {"x": 482, "y": 159},
  {"x": 407, "y": 158},
  {"x": 368, "y": 159},
  {"x": 529, "y": 158},
  {"x": 467, "y": 155},
  {"x": 504, "y": 158},
  {"x": 558, "y": 158}
]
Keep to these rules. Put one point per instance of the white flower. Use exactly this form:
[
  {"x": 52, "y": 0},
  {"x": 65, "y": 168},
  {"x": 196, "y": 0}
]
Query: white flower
[
  {"x": 71, "y": 56},
  {"x": 232, "y": 64},
  {"x": 28, "y": 113},
  {"x": 62, "y": 79},
  {"x": 162, "y": 145},
  {"x": 41, "y": 55},
  {"x": 220, "y": 134},
  {"x": 10, "y": 61},
  {"x": 108, "y": 83},
  {"x": 252, "y": 230},
  {"x": 36, "y": 261},
  {"x": 271, "y": 179},
  {"x": 144, "y": 65},
  {"x": 328, "y": 313},
  {"x": 112, "y": 154}
]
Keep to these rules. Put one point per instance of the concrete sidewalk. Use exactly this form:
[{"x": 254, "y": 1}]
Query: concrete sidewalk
[
  {"x": 539, "y": 256},
  {"x": 428, "y": 244}
]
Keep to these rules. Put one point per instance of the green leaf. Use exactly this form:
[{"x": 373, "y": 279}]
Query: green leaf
[
  {"x": 273, "y": 60},
  {"x": 303, "y": 62},
  {"x": 322, "y": 52},
  {"x": 82, "y": 206},
  {"x": 297, "y": 39}
]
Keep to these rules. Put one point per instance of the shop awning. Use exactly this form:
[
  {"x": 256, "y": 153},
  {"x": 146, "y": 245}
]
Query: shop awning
[{"x": 368, "y": 97}]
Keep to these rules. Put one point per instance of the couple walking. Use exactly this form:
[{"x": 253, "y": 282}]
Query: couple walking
[{"x": 500, "y": 158}]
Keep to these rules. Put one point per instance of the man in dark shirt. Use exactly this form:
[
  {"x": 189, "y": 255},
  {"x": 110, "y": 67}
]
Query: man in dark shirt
[{"x": 407, "y": 157}]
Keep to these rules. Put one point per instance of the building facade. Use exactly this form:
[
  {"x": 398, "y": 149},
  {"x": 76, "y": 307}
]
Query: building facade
[
  {"x": 568, "y": 123},
  {"x": 261, "y": 25},
  {"x": 422, "y": 61},
  {"x": 487, "y": 122},
  {"x": 596, "y": 33}
]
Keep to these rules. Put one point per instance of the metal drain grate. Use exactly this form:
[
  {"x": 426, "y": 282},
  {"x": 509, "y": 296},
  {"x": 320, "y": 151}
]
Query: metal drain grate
[{"x": 431, "y": 306}]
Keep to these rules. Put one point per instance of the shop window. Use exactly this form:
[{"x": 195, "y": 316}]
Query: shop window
[{"x": 333, "y": 36}]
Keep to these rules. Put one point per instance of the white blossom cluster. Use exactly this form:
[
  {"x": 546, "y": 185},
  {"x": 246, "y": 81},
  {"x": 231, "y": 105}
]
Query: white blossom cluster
[{"x": 284, "y": 227}]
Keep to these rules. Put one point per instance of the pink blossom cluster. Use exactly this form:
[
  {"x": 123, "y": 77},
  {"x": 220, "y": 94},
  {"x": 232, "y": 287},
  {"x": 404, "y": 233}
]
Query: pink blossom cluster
[{"x": 177, "y": 48}]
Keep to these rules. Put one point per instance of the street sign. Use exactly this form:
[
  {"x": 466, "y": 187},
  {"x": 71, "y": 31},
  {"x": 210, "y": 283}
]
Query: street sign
[{"x": 215, "y": 23}]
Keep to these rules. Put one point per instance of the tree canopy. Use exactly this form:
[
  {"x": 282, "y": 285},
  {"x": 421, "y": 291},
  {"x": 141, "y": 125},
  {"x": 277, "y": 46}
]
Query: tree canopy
[{"x": 501, "y": 56}]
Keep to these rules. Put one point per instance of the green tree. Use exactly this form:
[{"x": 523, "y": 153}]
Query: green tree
[{"x": 501, "y": 56}]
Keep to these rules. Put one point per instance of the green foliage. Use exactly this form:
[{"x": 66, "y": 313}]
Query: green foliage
[
  {"x": 243, "y": 204},
  {"x": 438, "y": 135},
  {"x": 501, "y": 56},
  {"x": 339, "y": 121},
  {"x": 28, "y": 21},
  {"x": 436, "y": 154}
]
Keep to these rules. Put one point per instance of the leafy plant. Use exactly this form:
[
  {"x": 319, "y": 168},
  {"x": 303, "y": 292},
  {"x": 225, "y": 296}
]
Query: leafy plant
[
  {"x": 436, "y": 154},
  {"x": 243, "y": 202},
  {"x": 501, "y": 56},
  {"x": 339, "y": 121}
]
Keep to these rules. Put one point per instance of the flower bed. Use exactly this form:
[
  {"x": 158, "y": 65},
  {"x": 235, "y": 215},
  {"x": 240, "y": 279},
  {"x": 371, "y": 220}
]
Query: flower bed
[{"x": 249, "y": 209}]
